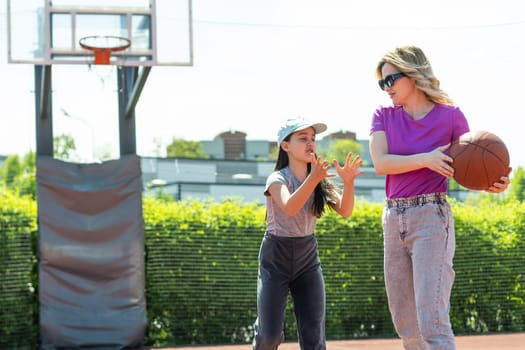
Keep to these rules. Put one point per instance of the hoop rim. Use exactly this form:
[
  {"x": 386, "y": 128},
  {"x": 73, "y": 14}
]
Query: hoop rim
[{"x": 125, "y": 43}]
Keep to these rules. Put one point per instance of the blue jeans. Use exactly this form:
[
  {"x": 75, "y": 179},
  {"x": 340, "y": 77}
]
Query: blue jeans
[
  {"x": 289, "y": 264},
  {"x": 419, "y": 242}
]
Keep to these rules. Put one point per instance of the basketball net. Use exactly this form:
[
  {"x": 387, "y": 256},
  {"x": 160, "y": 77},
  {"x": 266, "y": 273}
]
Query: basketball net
[
  {"x": 102, "y": 47},
  {"x": 106, "y": 74}
]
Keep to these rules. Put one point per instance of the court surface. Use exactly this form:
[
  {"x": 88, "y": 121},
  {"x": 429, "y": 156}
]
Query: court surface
[{"x": 512, "y": 341}]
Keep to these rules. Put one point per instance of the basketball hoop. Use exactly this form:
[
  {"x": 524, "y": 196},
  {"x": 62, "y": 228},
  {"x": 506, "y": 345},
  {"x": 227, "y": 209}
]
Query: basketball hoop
[{"x": 104, "y": 46}]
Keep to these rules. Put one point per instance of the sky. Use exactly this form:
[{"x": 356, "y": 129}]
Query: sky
[{"x": 258, "y": 62}]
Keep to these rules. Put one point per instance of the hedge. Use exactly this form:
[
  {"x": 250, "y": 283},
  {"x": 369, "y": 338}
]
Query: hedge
[{"x": 201, "y": 271}]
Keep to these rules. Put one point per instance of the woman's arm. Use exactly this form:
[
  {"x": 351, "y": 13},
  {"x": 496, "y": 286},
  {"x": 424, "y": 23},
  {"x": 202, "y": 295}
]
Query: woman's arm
[{"x": 386, "y": 163}]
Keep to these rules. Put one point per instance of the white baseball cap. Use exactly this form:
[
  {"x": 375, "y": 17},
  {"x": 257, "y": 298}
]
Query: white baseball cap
[{"x": 295, "y": 124}]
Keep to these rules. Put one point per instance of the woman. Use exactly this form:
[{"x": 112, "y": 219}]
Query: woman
[
  {"x": 408, "y": 143},
  {"x": 296, "y": 195}
]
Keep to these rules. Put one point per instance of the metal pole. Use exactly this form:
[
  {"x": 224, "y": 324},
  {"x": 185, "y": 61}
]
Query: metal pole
[{"x": 43, "y": 110}]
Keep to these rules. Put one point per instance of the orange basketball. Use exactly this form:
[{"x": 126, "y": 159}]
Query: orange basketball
[{"x": 480, "y": 159}]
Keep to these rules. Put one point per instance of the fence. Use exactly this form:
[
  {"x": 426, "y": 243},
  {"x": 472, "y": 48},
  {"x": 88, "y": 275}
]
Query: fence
[{"x": 201, "y": 269}]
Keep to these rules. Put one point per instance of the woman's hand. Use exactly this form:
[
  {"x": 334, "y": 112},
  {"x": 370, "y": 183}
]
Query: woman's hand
[
  {"x": 501, "y": 185},
  {"x": 440, "y": 162}
]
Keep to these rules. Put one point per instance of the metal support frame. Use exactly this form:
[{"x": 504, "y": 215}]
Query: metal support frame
[
  {"x": 137, "y": 90},
  {"x": 131, "y": 81},
  {"x": 43, "y": 110}
]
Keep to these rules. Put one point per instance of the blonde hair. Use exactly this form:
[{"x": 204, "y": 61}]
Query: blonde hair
[{"x": 412, "y": 61}]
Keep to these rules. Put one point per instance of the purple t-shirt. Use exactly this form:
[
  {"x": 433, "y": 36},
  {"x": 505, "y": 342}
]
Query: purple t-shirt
[{"x": 442, "y": 125}]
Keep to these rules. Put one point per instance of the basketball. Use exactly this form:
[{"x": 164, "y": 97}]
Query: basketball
[{"x": 480, "y": 159}]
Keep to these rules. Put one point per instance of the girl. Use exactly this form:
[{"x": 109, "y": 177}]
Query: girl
[{"x": 296, "y": 195}]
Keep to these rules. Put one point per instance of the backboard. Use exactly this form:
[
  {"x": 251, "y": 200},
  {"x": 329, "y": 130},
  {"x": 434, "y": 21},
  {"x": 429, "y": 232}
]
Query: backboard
[{"x": 47, "y": 32}]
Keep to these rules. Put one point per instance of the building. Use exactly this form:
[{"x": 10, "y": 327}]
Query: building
[
  {"x": 238, "y": 168},
  {"x": 186, "y": 178},
  {"x": 233, "y": 145}
]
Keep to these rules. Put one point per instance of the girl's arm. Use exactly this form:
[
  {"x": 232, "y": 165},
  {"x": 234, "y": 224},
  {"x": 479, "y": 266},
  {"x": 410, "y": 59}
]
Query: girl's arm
[
  {"x": 345, "y": 204},
  {"x": 292, "y": 203}
]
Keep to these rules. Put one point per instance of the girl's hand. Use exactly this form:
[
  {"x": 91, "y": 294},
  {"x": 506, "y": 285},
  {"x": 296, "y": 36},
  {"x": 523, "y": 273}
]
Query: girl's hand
[
  {"x": 320, "y": 167},
  {"x": 351, "y": 168}
]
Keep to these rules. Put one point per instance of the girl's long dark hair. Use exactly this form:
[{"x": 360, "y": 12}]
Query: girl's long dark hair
[{"x": 325, "y": 191}]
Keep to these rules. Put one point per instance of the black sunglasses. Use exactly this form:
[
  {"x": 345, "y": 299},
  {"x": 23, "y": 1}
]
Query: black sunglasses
[{"x": 390, "y": 80}]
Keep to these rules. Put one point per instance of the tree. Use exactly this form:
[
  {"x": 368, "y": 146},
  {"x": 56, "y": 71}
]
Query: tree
[
  {"x": 11, "y": 169},
  {"x": 274, "y": 153},
  {"x": 339, "y": 148},
  {"x": 453, "y": 185},
  {"x": 63, "y": 145},
  {"x": 19, "y": 174},
  {"x": 517, "y": 185},
  {"x": 185, "y": 149}
]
